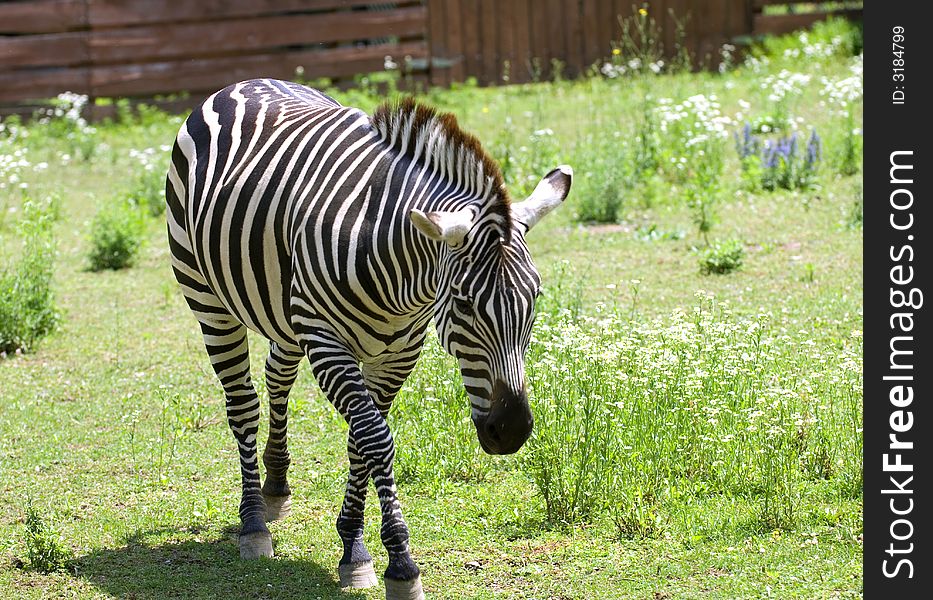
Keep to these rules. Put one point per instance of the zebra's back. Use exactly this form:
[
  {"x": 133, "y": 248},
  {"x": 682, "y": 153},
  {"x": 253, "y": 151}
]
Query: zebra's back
[{"x": 250, "y": 167}]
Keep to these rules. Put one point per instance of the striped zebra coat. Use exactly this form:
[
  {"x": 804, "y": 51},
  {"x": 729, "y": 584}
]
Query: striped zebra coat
[{"x": 339, "y": 236}]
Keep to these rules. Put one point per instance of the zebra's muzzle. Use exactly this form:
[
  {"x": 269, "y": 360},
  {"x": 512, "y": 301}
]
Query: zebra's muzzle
[{"x": 508, "y": 424}]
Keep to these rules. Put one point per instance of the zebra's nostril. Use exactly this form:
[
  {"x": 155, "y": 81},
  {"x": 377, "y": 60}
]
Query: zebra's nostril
[{"x": 492, "y": 432}]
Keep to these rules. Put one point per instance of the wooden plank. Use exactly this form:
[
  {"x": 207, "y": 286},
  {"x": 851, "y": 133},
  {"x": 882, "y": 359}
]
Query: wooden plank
[
  {"x": 723, "y": 32},
  {"x": 701, "y": 30},
  {"x": 472, "y": 49},
  {"x": 781, "y": 24},
  {"x": 618, "y": 10},
  {"x": 697, "y": 25},
  {"x": 44, "y": 50},
  {"x": 556, "y": 25},
  {"x": 739, "y": 19},
  {"x": 592, "y": 47},
  {"x": 115, "y": 13},
  {"x": 50, "y": 16},
  {"x": 714, "y": 34},
  {"x": 455, "y": 40},
  {"x": 506, "y": 35},
  {"x": 762, "y": 3},
  {"x": 22, "y": 110},
  {"x": 615, "y": 12},
  {"x": 606, "y": 25},
  {"x": 489, "y": 24},
  {"x": 198, "y": 75},
  {"x": 211, "y": 74},
  {"x": 242, "y": 35},
  {"x": 668, "y": 23},
  {"x": 42, "y": 16},
  {"x": 42, "y": 83},
  {"x": 439, "y": 71},
  {"x": 521, "y": 38},
  {"x": 657, "y": 10},
  {"x": 573, "y": 39},
  {"x": 540, "y": 49}
]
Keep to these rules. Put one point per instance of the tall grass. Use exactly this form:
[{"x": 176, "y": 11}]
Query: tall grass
[
  {"x": 27, "y": 307},
  {"x": 435, "y": 437},
  {"x": 44, "y": 548},
  {"x": 634, "y": 421},
  {"x": 720, "y": 257},
  {"x": 701, "y": 400},
  {"x": 600, "y": 195},
  {"x": 115, "y": 237}
]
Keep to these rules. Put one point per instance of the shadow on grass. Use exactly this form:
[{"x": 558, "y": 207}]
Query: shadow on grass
[{"x": 202, "y": 569}]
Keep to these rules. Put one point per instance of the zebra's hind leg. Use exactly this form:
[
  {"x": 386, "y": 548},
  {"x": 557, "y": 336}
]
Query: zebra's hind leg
[
  {"x": 226, "y": 344},
  {"x": 281, "y": 371},
  {"x": 228, "y": 349}
]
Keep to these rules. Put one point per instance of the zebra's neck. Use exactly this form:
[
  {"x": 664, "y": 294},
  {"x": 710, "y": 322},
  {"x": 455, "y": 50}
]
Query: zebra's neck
[{"x": 433, "y": 166}]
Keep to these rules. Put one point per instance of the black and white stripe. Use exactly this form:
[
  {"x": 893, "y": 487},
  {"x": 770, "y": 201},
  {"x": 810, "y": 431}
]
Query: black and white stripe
[{"x": 338, "y": 236}]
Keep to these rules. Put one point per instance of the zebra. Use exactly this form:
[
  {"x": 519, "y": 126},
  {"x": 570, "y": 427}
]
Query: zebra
[{"x": 339, "y": 237}]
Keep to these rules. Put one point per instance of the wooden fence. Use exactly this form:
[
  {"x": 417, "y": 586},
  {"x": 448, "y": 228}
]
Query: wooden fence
[
  {"x": 106, "y": 48},
  {"x": 141, "y": 48},
  {"x": 477, "y": 38}
]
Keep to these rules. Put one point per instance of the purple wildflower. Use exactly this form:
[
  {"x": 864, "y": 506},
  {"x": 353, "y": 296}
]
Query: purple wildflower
[
  {"x": 748, "y": 144},
  {"x": 814, "y": 150},
  {"x": 771, "y": 154}
]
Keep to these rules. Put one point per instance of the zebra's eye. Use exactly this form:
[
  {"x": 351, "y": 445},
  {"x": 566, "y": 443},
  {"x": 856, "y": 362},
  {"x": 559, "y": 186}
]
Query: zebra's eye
[{"x": 464, "y": 306}]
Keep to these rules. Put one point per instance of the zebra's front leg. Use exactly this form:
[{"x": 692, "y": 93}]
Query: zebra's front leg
[
  {"x": 376, "y": 449},
  {"x": 355, "y": 569},
  {"x": 281, "y": 371},
  {"x": 372, "y": 451},
  {"x": 383, "y": 378}
]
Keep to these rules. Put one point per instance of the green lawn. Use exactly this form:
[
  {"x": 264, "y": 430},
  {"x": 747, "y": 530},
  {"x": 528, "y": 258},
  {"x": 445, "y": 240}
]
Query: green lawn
[{"x": 726, "y": 463}]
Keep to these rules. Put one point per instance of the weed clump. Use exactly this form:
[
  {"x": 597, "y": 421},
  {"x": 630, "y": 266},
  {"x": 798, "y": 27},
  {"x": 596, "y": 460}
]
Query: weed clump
[
  {"x": 856, "y": 216},
  {"x": 44, "y": 548},
  {"x": 116, "y": 236},
  {"x": 27, "y": 307},
  {"x": 604, "y": 177},
  {"x": 148, "y": 193},
  {"x": 721, "y": 257},
  {"x": 601, "y": 200}
]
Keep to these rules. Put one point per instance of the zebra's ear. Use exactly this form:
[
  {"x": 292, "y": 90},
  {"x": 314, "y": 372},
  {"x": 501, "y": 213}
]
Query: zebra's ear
[
  {"x": 548, "y": 194},
  {"x": 443, "y": 226}
]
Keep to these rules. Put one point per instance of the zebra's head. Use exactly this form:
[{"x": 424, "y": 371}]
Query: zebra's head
[{"x": 485, "y": 306}]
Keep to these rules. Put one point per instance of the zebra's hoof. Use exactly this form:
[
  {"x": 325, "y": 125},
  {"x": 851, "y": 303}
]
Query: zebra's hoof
[
  {"x": 277, "y": 507},
  {"x": 254, "y": 545},
  {"x": 404, "y": 590},
  {"x": 357, "y": 575}
]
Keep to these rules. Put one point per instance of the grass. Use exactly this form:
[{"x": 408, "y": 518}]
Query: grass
[
  {"x": 43, "y": 547},
  {"x": 696, "y": 436},
  {"x": 27, "y": 306},
  {"x": 721, "y": 257},
  {"x": 115, "y": 237}
]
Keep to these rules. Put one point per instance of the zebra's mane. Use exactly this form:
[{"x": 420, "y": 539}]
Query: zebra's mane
[{"x": 436, "y": 140}]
